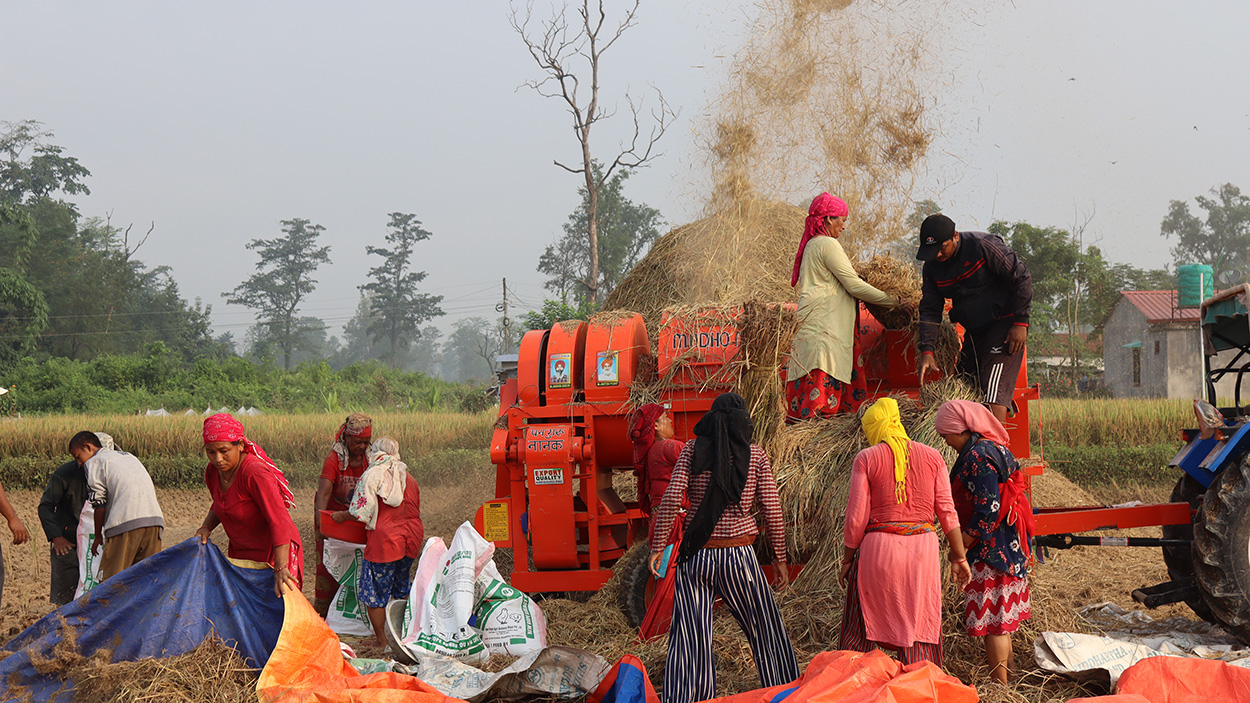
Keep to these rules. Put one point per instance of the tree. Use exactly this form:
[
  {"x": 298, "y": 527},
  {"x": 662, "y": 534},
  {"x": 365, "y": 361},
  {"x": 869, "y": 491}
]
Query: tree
[
  {"x": 1062, "y": 270},
  {"x": 313, "y": 344},
  {"x": 625, "y": 230},
  {"x": 99, "y": 297},
  {"x": 424, "y": 354},
  {"x": 23, "y": 316},
  {"x": 398, "y": 309},
  {"x": 35, "y": 169},
  {"x": 283, "y": 281},
  {"x": 922, "y": 209},
  {"x": 554, "y": 311},
  {"x": 563, "y": 51},
  {"x": 357, "y": 344},
  {"x": 1074, "y": 287},
  {"x": 469, "y": 351},
  {"x": 1221, "y": 241}
]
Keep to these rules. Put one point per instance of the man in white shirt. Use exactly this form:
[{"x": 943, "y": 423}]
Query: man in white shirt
[{"x": 128, "y": 518}]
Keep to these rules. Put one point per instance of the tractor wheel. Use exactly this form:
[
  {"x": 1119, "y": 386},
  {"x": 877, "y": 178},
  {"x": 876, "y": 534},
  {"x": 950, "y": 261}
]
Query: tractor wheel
[
  {"x": 1180, "y": 560},
  {"x": 1222, "y": 548},
  {"x": 637, "y": 584}
]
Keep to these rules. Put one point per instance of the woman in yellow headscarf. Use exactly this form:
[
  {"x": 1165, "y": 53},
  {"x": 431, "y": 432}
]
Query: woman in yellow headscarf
[{"x": 890, "y": 569}]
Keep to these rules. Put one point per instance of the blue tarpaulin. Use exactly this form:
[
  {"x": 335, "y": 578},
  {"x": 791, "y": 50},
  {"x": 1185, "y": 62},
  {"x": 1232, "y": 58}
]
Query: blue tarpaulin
[{"x": 164, "y": 606}]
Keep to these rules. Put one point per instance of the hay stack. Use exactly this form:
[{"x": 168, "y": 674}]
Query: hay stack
[
  {"x": 737, "y": 254},
  {"x": 812, "y": 463}
]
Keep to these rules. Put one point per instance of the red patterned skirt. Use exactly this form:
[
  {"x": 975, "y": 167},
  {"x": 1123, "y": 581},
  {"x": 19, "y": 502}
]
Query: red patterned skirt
[
  {"x": 995, "y": 603},
  {"x": 820, "y": 395}
]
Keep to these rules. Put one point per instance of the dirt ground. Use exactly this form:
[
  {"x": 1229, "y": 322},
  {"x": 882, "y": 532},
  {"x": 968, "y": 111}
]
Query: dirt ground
[
  {"x": 1066, "y": 582},
  {"x": 443, "y": 508}
]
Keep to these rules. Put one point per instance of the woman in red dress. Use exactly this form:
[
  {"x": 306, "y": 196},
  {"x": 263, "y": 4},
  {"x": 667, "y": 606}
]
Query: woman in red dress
[
  {"x": 388, "y": 501},
  {"x": 339, "y": 474},
  {"x": 251, "y": 499}
]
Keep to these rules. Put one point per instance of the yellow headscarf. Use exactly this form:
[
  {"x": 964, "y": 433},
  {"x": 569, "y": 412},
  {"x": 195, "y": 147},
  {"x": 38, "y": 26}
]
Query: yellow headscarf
[{"x": 882, "y": 424}]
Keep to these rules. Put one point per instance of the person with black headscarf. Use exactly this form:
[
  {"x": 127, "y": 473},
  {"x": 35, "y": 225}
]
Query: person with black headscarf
[{"x": 725, "y": 475}]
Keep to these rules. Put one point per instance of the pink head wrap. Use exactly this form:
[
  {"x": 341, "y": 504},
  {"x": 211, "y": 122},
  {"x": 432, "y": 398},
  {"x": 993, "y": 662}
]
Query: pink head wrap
[
  {"x": 823, "y": 205},
  {"x": 958, "y": 416},
  {"x": 222, "y": 427}
]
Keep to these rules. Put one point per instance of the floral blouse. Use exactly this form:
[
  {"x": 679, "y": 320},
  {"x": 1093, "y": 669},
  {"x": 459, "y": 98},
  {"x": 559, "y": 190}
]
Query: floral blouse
[{"x": 974, "y": 485}]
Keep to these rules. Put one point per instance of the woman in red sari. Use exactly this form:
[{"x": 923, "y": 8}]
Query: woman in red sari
[
  {"x": 251, "y": 500},
  {"x": 826, "y": 371},
  {"x": 340, "y": 472}
]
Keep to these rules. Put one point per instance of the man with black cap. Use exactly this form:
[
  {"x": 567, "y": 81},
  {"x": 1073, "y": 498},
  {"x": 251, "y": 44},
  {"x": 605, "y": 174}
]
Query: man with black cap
[{"x": 990, "y": 292}]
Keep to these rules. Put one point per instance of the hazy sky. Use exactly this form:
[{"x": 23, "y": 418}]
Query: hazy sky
[{"x": 218, "y": 120}]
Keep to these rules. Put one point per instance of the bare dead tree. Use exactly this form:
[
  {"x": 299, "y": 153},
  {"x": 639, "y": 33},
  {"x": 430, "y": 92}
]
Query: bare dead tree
[
  {"x": 563, "y": 51},
  {"x": 1078, "y": 289}
]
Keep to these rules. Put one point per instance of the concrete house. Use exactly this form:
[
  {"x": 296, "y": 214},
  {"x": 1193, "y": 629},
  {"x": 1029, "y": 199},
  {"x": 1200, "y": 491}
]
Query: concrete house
[{"x": 1151, "y": 348}]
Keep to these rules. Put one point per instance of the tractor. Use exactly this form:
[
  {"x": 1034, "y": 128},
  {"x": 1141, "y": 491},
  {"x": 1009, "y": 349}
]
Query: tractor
[{"x": 1207, "y": 546}]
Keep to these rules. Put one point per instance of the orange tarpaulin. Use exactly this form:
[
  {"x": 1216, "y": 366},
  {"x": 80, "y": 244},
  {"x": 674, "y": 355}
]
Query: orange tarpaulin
[
  {"x": 1180, "y": 680},
  {"x": 856, "y": 677},
  {"x": 307, "y": 666}
]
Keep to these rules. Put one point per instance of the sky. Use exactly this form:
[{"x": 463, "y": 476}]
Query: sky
[{"x": 216, "y": 121}]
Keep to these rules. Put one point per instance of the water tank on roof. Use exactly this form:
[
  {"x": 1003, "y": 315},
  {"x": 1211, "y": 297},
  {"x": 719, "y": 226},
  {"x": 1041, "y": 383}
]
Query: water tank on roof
[{"x": 1194, "y": 284}]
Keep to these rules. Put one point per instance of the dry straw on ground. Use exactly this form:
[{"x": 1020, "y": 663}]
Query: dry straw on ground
[{"x": 211, "y": 673}]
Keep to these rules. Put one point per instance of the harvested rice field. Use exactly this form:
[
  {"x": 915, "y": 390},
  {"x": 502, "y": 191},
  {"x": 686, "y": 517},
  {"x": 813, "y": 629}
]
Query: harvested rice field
[{"x": 812, "y": 607}]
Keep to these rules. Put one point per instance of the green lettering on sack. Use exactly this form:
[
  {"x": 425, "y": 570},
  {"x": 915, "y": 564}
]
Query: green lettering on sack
[{"x": 348, "y": 603}]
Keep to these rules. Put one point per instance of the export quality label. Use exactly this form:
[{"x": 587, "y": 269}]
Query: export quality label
[{"x": 548, "y": 477}]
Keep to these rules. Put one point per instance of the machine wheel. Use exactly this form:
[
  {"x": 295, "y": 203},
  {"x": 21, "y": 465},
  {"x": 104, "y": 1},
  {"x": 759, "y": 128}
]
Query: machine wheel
[
  {"x": 1222, "y": 548},
  {"x": 1180, "y": 560},
  {"x": 637, "y": 584}
]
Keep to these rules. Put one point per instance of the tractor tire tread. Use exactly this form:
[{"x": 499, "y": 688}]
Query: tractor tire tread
[{"x": 1218, "y": 535}]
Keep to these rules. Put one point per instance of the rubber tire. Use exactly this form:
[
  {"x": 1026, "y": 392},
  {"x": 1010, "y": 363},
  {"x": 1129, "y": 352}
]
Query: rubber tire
[
  {"x": 637, "y": 584},
  {"x": 1222, "y": 548},
  {"x": 1180, "y": 560}
]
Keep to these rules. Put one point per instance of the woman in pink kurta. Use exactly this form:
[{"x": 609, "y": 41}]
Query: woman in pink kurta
[{"x": 891, "y": 569}]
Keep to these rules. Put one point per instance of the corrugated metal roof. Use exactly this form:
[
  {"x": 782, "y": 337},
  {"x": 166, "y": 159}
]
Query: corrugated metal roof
[{"x": 1160, "y": 306}]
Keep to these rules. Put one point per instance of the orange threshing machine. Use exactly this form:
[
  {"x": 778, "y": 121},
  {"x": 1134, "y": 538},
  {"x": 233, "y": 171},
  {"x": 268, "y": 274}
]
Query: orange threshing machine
[{"x": 562, "y": 434}]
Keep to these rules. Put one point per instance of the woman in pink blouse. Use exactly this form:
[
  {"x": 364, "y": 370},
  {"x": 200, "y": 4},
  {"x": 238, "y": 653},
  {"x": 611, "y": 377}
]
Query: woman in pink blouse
[{"x": 891, "y": 569}]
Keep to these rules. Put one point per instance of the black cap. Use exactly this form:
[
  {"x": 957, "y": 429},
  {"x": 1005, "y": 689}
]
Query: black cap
[{"x": 934, "y": 231}]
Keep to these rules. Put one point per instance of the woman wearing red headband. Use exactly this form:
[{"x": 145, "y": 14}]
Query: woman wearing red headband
[
  {"x": 251, "y": 499},
  {"x": 340, "y": 472},
  {"x": 826, "y": 374}
]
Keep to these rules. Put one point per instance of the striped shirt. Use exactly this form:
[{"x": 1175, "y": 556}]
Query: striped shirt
[{"x": 737, "y": 521}]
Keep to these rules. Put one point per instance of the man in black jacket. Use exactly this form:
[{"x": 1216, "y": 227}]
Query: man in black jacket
[
  {"x": 990, "y": 292},
  {"x": 62, "y": 503}
]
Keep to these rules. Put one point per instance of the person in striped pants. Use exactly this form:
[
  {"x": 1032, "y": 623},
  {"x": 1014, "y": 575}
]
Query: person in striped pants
[{"x": 724, "y": 475}]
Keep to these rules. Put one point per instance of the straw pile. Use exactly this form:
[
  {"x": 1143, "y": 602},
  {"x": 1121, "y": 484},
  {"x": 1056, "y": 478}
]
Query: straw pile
[
  {"x": 812, "y": 464},
  {"x": 734, "y": 255},
  {"x": 888, "y": 274},
  {"x": 212, "y": 673}
]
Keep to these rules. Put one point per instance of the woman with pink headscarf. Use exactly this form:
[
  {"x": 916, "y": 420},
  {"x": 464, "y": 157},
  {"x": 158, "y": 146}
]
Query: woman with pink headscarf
[
  {"x": 251, "y": 500},
  {"x": 826, "y": 374},
  {"x": 990, "y": 497}
]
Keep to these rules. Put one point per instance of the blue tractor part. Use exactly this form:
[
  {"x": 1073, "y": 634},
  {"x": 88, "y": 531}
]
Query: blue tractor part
[{"x": 1212, "y": 572}]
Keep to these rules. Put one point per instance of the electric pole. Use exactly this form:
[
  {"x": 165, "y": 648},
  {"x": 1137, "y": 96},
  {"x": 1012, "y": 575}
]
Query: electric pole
[{"x": 503, "y": 308}]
